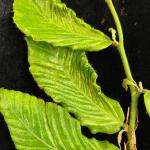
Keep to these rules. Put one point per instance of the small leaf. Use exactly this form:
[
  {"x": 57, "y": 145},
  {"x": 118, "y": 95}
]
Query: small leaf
[
  {"x": 147, "y": 101},
  {"x": 35, "y": 125},
  {"x": 68, "y": 78},
  {"x": 53, "y": 22}
]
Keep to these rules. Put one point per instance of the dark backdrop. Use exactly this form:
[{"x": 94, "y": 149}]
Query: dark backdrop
[{"x": 135, "y": 17}]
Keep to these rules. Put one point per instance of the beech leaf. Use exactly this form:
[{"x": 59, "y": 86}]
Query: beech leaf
[
  {"x": 53, "y": 22},
  {"x": 147, "y": 101},
  {"x": 36, "y": 125},
  {"x": 69, "y": 79}
]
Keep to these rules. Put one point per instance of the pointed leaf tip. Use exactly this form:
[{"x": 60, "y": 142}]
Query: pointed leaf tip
[{"x": 53, "y": 22}]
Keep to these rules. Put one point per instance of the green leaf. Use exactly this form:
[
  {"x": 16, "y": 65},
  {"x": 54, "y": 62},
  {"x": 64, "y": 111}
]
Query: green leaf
[
  {"x": 53, "y": 22},
  {"x": 68, "y": 78},
  {"x": 35, "y": 125},
  {"x": 147, "y": 101}
]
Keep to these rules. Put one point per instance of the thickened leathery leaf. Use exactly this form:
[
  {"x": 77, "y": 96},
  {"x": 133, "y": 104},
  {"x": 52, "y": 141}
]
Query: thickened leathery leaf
[
  {"x": 68, "y": 78},
  {"x": 147, "y": 101},
  {"x": 35, "y": 125},
  {"x": 53, "y": 22}
]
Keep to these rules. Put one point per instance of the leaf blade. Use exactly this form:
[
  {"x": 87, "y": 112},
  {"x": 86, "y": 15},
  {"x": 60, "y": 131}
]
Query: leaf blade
[
  {"x": 68, "y": 78},
  {"x": 53, "y": 22},
  {"x": 147, "y": 101},
  {"x": 36, "y": 125}
]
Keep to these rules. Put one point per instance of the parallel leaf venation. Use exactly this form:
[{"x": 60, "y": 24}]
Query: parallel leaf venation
[
  {"x": 36, "y": 125},
  {"x": 69, "y": 79},
  {"x": 52, "y": 21}
]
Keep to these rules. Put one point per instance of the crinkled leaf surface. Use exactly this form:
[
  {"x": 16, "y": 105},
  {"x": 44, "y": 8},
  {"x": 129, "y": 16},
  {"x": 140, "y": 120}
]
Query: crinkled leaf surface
[
  {"x": 147, "y": 101},
  {"x": 68, "y": 78},
  {"x": 53, "y": 22},
  {"x": 35, "y": 125}
]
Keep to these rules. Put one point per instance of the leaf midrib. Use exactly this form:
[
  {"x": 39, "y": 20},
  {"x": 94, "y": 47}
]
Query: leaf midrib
[
  {"x": 84, "y": 94},
  {"x": 67, "y": 75},
  {"x": 64, "y": 29}
]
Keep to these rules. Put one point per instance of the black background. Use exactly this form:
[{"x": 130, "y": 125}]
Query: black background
[{"x": 135, "y": 18}]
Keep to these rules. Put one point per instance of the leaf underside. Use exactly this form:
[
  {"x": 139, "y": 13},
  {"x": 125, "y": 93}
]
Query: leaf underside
[
  {"x": 68, "y": 78},
  {"x": 35, "y": 125},
  {"x": 147, "y": 101},
  {"x": 53, "y": 22}
]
